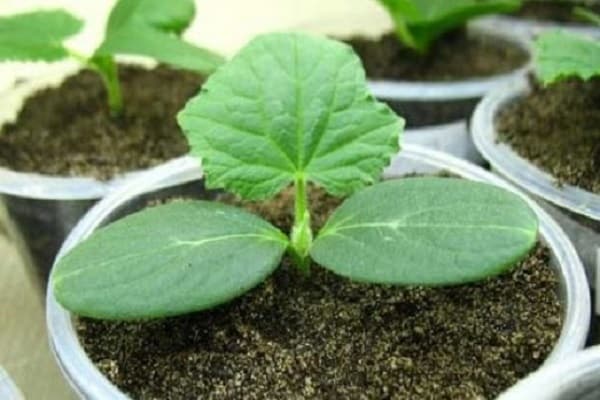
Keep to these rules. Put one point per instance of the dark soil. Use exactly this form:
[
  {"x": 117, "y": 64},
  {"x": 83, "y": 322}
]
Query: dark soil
[
  {"x": 455, "y": 56},
  {"x": 69, "y": 131},
  {"x": 557, "y": 11},
  {"x": 558, "y": 129},
  {"x": 324, "y": 337}
]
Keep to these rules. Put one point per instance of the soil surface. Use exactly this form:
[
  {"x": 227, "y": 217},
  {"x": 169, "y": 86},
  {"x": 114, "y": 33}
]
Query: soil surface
[
  {"x": 68, "y": 130},
  {"x": 557, "y": 11},
  {"x": 558, "y": 129},
  {"x": 454, "y": 56},
  {"x": 324, "y": 337}
]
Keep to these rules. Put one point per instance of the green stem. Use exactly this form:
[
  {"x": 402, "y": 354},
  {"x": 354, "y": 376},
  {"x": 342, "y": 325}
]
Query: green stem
[
  {"x": 301, "y": 238},
  {"x": 106, "y": 67}
]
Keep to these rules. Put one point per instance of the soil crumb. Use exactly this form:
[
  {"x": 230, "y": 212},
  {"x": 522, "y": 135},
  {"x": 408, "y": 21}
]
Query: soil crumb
[{"x": 324, "y": 337}]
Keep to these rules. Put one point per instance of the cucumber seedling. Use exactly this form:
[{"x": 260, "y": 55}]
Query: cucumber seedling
[
  {"x": 418, "y": 23},
  {"x": 292, "y": 109},
  {"x": 149, "y": 28}
]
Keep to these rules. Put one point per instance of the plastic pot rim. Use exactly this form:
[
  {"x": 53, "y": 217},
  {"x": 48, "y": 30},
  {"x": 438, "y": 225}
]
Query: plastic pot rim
[
  {"x": 557, "y": 380},
  {"x": 39, "y": 186},
  {"x": 465, "y": 89},
  {"x": 517, "y": 169},
  {"x": 89, "y": 382}
]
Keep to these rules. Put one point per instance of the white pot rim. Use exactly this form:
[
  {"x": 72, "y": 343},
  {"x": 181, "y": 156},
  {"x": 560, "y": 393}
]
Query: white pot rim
[
  {"x": 560, "y": 380},
  {"x": 90, "y": 383},
  {"x": 52, "y": 187},
  {"x": 518, "y": 169},
  {"x": 465, "y": 89}
]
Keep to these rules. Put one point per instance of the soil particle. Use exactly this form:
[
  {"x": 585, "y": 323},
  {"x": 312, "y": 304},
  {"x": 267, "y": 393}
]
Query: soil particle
[
  {"x": 555, "y": 10},
  {"x": 456, "y": 55},
  {"x": 557, "y": 128},
  {"x": 325, "y": 337},
  {"x": 68, "y": 130}
]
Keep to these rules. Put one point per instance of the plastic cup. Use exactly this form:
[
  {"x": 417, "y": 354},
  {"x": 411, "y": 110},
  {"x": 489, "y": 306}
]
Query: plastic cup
[{"x": 89, "y": 383}]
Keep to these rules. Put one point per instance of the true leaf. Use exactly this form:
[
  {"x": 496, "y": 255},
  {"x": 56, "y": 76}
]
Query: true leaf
[
  {"x": 559, "y": 55},
  {"x": 290, "y": 107},
  {"x": 419, "y": 22},
  {"x": 151, "y": 28},
  {"x": 426, "y": 231},
  {"x": 168, "y": 260},
  {"x": 36, "y": 36}
]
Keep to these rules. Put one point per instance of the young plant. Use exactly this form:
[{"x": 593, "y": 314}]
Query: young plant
[
  {"x": 136, "y": 27},
  {"x": 291, "y": 109},
  {"x": 560, "y": 55},
  {"x": 418, "y": 23}
]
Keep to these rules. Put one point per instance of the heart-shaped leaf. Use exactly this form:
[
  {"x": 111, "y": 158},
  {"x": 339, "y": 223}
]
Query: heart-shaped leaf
[
  {"x": 559, "y": 55},
  {"x": 290, "y": 107},
  {"x": 168, "y": 260},
  {"x": 426, "y": 231}
]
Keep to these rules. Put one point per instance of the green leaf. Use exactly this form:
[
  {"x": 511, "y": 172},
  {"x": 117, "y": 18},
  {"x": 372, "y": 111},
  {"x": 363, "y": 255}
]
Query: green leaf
[
  {"x": 168, "y": 260},
  {"x": 426, "y": 231},
  {"x": 36, "y": 36},
  {"x": 587, "y": 15},
  {"x": 560, "y": 55},
  {"x": 420, "y": 22},
  {"x": 290, "y": 107},
  {"x": 151, "y": 28}
]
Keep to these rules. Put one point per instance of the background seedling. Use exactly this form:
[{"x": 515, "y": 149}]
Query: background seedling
[
  {"x": 418, "y": 23},
  {"x": 292, "y": 109},
  {"x": 560, "y": 55},
  {"x": 136, "y": 27}
]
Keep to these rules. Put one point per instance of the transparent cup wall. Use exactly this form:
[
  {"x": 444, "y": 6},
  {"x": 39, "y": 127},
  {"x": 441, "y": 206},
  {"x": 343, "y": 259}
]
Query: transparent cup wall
[
  {"x": 184, "y": 179},
  {"x": 38, "y": 228}
]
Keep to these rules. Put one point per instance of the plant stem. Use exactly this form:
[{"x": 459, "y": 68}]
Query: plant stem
[
  {"x": 107, "y": 69},
  {"x": 301, "y": 238}
]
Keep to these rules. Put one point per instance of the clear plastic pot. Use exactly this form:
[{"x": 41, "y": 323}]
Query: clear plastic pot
[
  {"x": 531, "y": 27},
  {"x": 89, "y": 383},
  {"x": 576, "y": 378},
  {"x": 8, "y": 389},
  {"x": 452, "y": 101},
  {"x": 575, "y": 209},
  {"x": 38, "y": 210}
]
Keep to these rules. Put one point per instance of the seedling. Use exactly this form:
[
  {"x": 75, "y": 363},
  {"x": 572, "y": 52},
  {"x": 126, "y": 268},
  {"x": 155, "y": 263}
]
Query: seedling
[
  {"x": 135, "y": 27},
  {"x": 560, "y": 55},
  {"x": 291, "y": 109},
  {"x": 419, "y": 23}
]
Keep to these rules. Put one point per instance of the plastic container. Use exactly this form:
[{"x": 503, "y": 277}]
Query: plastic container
[
  {"x": 574, "y": 208},
  {"x": 8, "y": 390},
  {"x": 89, "y": 383},
  {"x": 457, "y": 99},
  {"x": 531, "y": 27},
  {"x": 38, "y": 211},
  {"x": 576, "y": 378}
]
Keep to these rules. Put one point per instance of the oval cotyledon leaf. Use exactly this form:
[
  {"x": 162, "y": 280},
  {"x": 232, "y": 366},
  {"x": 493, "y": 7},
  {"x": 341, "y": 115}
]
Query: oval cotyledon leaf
[
  {"x": 426, "y": 231},
  {"x": 167, "y": 260}
]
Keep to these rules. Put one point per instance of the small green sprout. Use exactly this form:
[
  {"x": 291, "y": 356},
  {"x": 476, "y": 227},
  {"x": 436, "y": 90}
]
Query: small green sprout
[
  {"x": 560, "y": 55},
  {"x": 419, "y": 23},
  {"x": 291, "y": 109},
  {"x": 135, "y": 27}
]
